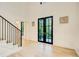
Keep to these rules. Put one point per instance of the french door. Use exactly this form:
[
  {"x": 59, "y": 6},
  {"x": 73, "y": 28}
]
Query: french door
[{"x": 45, "y": 29}]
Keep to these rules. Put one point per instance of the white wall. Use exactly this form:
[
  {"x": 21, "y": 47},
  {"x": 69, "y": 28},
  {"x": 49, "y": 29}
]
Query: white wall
[
  {"x": 64, "y": 34},
  {"x": 77, "y": 30}
]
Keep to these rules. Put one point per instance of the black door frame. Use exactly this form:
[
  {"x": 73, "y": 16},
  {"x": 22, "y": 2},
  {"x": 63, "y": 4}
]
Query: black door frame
[{"x": 45, "y": 28}]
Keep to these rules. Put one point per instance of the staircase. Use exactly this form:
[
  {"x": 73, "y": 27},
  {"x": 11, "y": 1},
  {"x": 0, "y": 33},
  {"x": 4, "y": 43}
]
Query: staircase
[{"x": 10, "y": 35}]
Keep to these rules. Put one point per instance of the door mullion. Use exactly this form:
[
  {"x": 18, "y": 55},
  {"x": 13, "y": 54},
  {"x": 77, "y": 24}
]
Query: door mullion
[{"x": 44, "y": 31}]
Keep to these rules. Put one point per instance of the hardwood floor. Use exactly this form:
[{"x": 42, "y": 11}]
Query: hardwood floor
[{"x": 38, "y": 49}]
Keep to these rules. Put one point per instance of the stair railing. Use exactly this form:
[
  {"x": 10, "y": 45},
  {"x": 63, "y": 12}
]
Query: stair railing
[{"x": 9, "y": 32}]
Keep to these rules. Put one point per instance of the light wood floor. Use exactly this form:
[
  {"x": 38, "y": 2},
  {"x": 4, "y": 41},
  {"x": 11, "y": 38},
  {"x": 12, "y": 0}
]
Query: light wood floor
[{"x": 38, "y": 49}]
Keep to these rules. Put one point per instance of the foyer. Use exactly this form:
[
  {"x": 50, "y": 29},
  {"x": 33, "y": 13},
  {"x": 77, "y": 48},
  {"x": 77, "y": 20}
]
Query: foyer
[{"x": 39, "y": 29}]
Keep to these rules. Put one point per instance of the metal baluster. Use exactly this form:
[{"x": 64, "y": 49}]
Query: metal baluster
[
  {"x": 20, "y": 35},
  {"x": 18, "y": 38},
  {"x": 9, "y": 33},
  {"x": 5, "y": 30},
  {"x": 2, "y": 29},
  {"x": 14, "y": 36}
]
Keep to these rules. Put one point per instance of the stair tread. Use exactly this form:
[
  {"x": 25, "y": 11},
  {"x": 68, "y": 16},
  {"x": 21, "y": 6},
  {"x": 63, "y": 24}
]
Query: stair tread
[{"x": 7, "y": 45}]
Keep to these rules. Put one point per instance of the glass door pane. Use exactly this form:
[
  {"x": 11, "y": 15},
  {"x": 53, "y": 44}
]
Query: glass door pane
[
  {"x": 40, "y": 30},
  {"x": 45, "y": 30},
  {"x": 48, "y": 30}
]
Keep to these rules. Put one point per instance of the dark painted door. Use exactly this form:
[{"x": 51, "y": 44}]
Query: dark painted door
[{"x": 45, "y": 29}]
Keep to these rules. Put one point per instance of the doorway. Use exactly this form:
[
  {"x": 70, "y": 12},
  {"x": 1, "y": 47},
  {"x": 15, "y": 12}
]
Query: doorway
[{"x": 45, "y": 29}]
